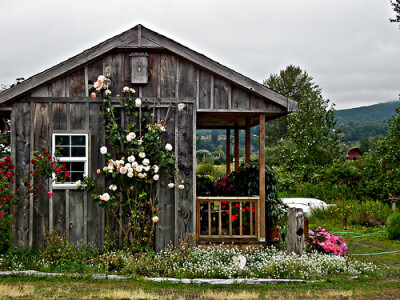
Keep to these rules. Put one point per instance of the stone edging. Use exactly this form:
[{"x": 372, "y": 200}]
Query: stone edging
[{"x": 157, "y": 279}]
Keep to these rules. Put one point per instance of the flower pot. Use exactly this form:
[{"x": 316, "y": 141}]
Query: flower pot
[
  {"x": 270, "y": 233},
  {"x": 245, "y": 230}
]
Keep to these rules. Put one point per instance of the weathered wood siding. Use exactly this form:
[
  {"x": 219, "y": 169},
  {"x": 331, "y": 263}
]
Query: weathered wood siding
[{"x": 65, "y": 104}]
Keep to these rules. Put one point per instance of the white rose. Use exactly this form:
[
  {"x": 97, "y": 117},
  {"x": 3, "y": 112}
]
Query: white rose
[
  {"x": 181, "y": 186},
  {"x": 140, "y": 142},
  {"x": 134, "y": 164},
  {"x": 146, "y": 168},
  {"x": 141, "y": 175},
  {"x": 130, "y": 174},
  {"x": 132, "y": 135},
  {"x": 123, "y": 170},
  {"x": 155, "y": 168},
  {"x": 105, "y": 197},
  {"x": 101, "y": 79},
  {"x": 168, "y": 147},
  {"x": 155, "y": 219},
  {"x": 139, "y": 168},
  {"x": 156, "y": 177},
  {"x": 113, "y": 187},
  {"x": 126, "y": 89},
  {"x": 171, "y": 185},
  {"x": 162, "y": 129},
  {"x": 103, "y": 150},
  {"x": 142, "y": 155},
  {"x": 131, "y": 158},
  {"x": 146, "y": 162},
  {"x": 107, "y": 92},
  {"x": 128, "y": 166},
  {"x": 128, "y": 138},
  {"x": 78, "y": 183},
  {"x": 138, "y": 102},
  {"x": 132, "y": 91}
]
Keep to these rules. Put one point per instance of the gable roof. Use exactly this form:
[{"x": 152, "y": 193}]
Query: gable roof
[{"x": 140, "y": 37}]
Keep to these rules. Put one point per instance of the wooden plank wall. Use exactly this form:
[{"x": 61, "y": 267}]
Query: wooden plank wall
[{"x": 65, "y": 104}]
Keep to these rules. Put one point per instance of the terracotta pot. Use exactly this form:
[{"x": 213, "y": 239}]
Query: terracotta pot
[
  {"x": 270, "y": 233},
  {"x": 245, "y": 230}
]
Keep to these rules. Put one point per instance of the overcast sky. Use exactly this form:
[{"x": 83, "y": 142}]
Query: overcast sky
[{"x": 349, "y": 47}]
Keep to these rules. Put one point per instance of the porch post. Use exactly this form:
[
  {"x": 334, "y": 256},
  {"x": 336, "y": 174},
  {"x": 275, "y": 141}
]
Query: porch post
[
  {"x": 261, "y": 160},
  {"x": 247, "y": 149},
  {"x": 228, "y": 151},
  {"x": 236, "y": 148}
]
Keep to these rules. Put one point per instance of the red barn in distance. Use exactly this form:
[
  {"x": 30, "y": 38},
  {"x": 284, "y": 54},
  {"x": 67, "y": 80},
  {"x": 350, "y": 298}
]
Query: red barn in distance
[{"x": 353, "y": 154}]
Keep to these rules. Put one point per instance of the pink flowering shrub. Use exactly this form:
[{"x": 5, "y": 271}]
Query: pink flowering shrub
[{"x": 326, "y": 242}]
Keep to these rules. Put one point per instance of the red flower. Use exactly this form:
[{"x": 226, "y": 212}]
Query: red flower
[
  {"x": 35, "y": 171},
  {"x": 254, "y": 210},
  {"x": 1, "y": 214},
  {"x": 223, "y": 206},
  {"x": 233, "y": 217},
  {"x": 49, "y": 157},
  {"x": 43, "y": 149},
  {"x": 32, "y": 161},
  {"x": 31, "y": 191},
  {"x": 9, "y": 196},
  {"x": 12, "y": 181},
  {"x": 40, "y": 186},
  {"x": 67, "y": 175},
  {"x": 243, "y": 210},
  {"x": 227, "y": 211},
  {"x": 38, "y": 158},
  {"x": 50, "y": 194},
  {"x": 237, "y": 205},
  {"x": 247, "y": 208}
]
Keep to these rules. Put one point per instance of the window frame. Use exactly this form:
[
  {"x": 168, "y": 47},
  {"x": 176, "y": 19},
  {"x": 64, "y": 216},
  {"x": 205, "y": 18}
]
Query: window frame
[{"x": 84, "y": 159}]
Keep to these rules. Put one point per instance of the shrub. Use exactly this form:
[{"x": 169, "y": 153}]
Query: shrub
[
  {"x": 394, "y": 227},
  {"x": 326, "y": 242}
]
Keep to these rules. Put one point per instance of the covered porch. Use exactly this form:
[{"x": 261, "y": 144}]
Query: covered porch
[{"x": 235, "y": 219}]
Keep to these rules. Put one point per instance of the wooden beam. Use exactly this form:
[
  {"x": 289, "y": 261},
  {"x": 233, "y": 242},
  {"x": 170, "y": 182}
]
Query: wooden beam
[
  {"x": 228, "y": 151},
  {"x": 248, "y": 137},
  {"x": 261, "y": 160},
  {"x": 236, "y": 148}
]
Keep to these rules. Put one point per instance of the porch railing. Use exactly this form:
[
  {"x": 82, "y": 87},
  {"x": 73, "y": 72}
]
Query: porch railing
[{"x": 220, "y": 218}]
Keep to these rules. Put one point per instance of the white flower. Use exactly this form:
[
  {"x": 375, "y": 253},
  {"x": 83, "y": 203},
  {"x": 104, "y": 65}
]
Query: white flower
[
  {"x": 146, "y": 162},
  {"x": 168, "y": 147},
  {"x": 142, "y": 154},
  {"x": 113, "y": 187},
  {"x": 108, "y": 109},
  {"x": 155, "y": 219},
  {"x": 100, "y": 79},
  {"x": 107, "y": 92},
  {"x": 130, "y": 174},
  {"x": 126, "y": 89},
  {"x": 156, "y": 177},
  {"x": 128, "y": 138},
  {"x": 181, "y": 186},
  {"x": 128, "y": 166},
  {"x": 103, "y": 150},
  {"x": 105, "y": 197},
  {"x": 132, "y": 91},
  {"x": 96, "y": 85},
  {"x": 139, "y": 168},
  {"x": 130, "y": 170},
  {"x": 123, "y": 170},
  {"x": 78, "y": 183},
  {"x": 141, "y": 175},
  {"x": 131, "y": 158},
  {"x": 138, "y": 102},
  {"x": 155, "y": 168},
  {"x": 134, "y": 164},
  {"x": 162, "y": 128},
  {"x": 132, "y": 135},
  {"x": 146, "y": 168},
  {"x": 139, "y": 142},
  {"x": 171, "y": 185}
]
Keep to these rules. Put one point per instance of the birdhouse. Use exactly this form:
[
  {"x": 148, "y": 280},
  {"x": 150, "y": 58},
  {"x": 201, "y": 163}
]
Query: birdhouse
[{"x": 139, "y": 65}]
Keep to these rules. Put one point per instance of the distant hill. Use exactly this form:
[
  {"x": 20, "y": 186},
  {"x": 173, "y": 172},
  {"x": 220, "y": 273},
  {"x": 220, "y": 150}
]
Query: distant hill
[{"x": 368, "y": 114}]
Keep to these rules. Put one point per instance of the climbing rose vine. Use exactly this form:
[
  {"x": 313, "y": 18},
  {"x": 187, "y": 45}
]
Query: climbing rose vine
[{"x": 134, "y": 156}]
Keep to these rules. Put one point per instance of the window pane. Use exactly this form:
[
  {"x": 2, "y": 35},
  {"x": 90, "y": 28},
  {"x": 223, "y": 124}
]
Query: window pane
[
  {"x": 79, "y": 140},
  {"x": 78, "y": 152},
  {"x": 75, "y": 176},
  {"x": 64, "y": 151},
  {"x": 62, "y": 140},
  {"x": 77, "y": 166}
]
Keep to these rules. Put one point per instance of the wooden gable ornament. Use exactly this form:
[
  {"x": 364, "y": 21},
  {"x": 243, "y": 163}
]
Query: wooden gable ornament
[{"x": 139, "y": 67}]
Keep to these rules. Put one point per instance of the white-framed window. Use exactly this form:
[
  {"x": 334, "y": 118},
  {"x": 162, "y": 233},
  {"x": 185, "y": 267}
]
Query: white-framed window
[{"x": 73, "y": 150}]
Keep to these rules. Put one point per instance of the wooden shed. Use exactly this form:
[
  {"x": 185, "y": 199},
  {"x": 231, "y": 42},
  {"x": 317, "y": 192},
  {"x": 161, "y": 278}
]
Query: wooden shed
[{"x": 56, "y": 104}]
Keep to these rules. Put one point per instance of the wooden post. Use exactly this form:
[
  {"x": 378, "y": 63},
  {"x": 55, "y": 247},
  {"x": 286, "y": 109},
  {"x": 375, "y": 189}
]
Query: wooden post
[
  {"x": 247, "y": 147},
  {"x": 236, "y": 148},
  {"x": 295, "y": 230},
  {"x": 261, "y": 160},
  {"x": 228, "y": 151}
]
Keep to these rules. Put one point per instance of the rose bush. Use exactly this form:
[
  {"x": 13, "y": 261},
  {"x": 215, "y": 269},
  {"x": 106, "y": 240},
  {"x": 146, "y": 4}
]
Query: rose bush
[{"x": 132, "y": 166}]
